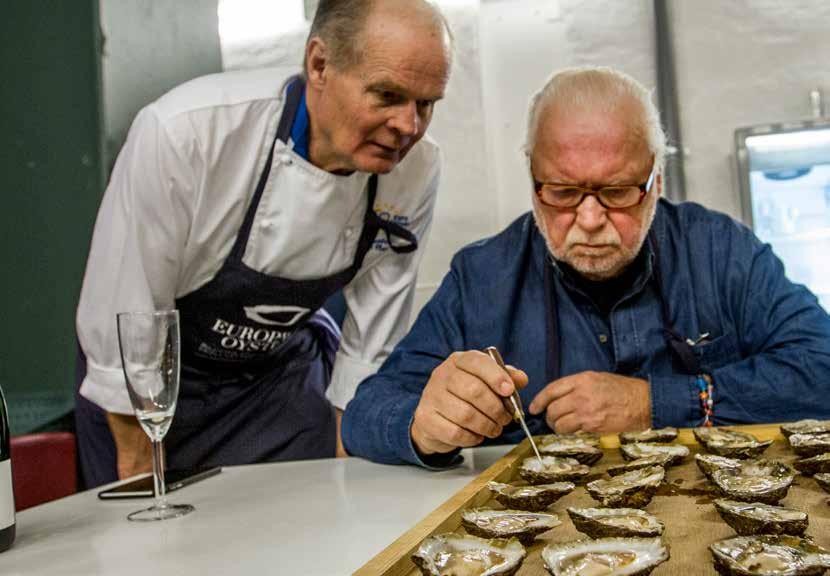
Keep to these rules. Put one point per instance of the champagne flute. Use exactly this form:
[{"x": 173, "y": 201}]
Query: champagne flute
[{"x": 149, "y": 343}]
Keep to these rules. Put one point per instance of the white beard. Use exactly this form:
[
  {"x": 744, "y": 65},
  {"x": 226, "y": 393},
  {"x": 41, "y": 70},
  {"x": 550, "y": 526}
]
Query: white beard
[{"x": 605, "y": 265}]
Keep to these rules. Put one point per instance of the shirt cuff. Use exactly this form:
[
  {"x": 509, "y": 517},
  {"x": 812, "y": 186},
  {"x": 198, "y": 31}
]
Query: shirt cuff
[
  {"x": 348, "y": 373},
  {"x": 674, "y": 401},
  {"x": 398, "y": 429},
  {"x": 107, "y": 388}
]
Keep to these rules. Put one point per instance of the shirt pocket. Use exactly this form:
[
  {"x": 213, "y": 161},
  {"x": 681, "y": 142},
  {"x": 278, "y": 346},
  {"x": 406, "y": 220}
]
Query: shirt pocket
[{"x": 720, "y": 351}]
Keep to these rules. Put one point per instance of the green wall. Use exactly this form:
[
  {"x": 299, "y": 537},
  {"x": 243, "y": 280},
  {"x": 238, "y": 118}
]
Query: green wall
[{"x": 51, "y": 183}]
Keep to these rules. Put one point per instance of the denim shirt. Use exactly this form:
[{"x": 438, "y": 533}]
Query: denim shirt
[{"x": 768, "y": 349}]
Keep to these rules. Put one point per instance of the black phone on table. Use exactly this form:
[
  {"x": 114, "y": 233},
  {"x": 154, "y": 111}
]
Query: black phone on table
[{"x": 143, "y": 487}]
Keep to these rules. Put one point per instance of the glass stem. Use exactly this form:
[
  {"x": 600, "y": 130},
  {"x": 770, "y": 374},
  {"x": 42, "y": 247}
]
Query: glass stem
[{"x": 159, "y": 487}]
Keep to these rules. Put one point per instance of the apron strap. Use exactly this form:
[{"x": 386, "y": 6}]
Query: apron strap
[
  {"x": 293, "y": 96},
  {"x": 553, "y": 362}
]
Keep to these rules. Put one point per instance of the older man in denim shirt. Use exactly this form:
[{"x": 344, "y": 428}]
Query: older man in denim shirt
[{"x": 617, "y": 307}]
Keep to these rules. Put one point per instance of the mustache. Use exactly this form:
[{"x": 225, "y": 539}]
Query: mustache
[{"x": 608, "y": 237}]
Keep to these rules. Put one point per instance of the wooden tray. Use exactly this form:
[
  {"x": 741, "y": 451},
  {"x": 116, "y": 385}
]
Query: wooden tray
[{"x": 683, "y": 505}]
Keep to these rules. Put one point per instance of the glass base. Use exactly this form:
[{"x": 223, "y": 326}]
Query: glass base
[{"x": 165, "y": 512}]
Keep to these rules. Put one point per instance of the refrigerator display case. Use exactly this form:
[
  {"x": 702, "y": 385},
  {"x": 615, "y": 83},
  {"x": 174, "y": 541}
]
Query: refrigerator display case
[{"x": 784, "y": 175}]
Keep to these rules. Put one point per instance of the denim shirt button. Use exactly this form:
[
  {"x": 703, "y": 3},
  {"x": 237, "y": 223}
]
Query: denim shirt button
[{"x": 603, "y": 338}]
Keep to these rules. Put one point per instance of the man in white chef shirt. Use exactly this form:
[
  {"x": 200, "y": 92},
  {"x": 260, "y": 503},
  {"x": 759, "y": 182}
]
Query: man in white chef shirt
[{"x": 246, "y": 199}]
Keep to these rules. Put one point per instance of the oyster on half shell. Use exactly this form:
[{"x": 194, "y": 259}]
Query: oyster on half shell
[
  {"x": 583, "y": 453},
  {"x": 764, "y": 481},
  {"x": 806, "y": 445},
  {"x": 805, "y": 427},
  {"x": 642, "y": 449},
  {"x": 630, "y": 490},
  {"x": 458, "y": 555},
  {"x": 532, "y": 498},
  {"x": 552, "y": 469},
  {"x": 576, "y": 439},
  {"x": 615, "y": 522},
  {"x": 605, "y": 556},
  {"x": 524, "y": 526},
  {"x": 659, "y": 459},
  {"x": 708, "y": 463},
  {"x": 667, "y": 434},
  {"x": 769, "y": 554},
  {"x": 813, "y": 464},
  {"x": 757, "y": 518},
  {"x": 730, "y": 443},
  {"x": 823, "y": 480}
]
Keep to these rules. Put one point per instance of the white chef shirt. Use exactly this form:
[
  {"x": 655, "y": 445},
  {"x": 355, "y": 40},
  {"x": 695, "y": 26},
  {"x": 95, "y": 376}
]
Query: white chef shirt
[{"x": 177, "y": 198}]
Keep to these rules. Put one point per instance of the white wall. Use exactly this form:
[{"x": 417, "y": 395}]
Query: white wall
[
  {"x": 150, "y": 47},
  {"x": 740, "y": 63}
]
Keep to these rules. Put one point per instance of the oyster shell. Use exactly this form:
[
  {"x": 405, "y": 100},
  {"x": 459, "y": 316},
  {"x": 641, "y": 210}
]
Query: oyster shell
[
  {"x": 667, "y": 434},
  {"x": 730, "y": 443},
  {"x": 659, "y": 459},
  {"x": 629, "y": 490},
  {"x": 708, "y": 463},
  {"x": 641, "y": 449},
  {"x": 823, "y": 480},
  {"x": 805, "y": 427},
  {"x": 524, "y": 526},
  {"x": 783, "y": 555},
  {"x": 620, "y": 522},
  {"x": 606, "y": 556},
  {"x": 755, "y": 481},
  {"x": 577, "y": 438},
  {"x": 814, "y": 464},
  {"x": 756, "y": 518},
  {"x": 532, "y": 498},
  {"x": 468, "y": 556},
  {"x": 806, "y": 445},
  {"x": 583, "y": 452},
  {"x": 552, "y": 469}
]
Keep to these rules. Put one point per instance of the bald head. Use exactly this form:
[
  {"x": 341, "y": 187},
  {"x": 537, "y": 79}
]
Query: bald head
[
  {"x": 596, "y": 94},
  {"x": 343, "y": 25}
]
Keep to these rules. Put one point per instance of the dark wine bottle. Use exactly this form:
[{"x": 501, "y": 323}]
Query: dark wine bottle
[{"x": 7, "y": 525}]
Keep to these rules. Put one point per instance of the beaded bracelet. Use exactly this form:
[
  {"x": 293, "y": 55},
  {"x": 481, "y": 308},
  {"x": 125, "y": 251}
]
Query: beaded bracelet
[{"x": 704, "y": 383}]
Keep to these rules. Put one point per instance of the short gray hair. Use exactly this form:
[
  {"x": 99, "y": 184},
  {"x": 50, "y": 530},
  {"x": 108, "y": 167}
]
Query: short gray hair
[
  {"x": 600, "y": 88},
  {"x": 339, "y": 23}
]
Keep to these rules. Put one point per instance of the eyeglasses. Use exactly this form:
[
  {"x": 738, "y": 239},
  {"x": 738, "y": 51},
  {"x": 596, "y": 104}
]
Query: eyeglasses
[{"x": 612, "y": 197}]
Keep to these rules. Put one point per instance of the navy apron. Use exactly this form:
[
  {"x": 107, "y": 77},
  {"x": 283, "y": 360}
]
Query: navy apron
[{"x": 256, "y": 360}]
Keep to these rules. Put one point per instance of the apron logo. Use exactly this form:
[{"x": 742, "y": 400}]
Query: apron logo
[{"x": 276, "y": 315}]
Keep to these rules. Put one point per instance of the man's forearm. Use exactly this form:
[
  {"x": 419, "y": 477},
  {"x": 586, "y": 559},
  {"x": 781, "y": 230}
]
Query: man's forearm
[{"x": 132, "y": 445}]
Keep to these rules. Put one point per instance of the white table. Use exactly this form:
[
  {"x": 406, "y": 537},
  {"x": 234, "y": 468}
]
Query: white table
[{"x": 323, "y": 517}]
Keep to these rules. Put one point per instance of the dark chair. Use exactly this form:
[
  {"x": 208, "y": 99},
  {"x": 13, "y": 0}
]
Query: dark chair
[{"x": 44, "y": 467}]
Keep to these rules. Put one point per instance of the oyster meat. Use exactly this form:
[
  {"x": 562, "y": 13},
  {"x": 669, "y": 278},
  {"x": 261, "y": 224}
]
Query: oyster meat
[
  {"x": 806, "y": 445},
  {"x": 782, "y": 555},
  {"x": 642, "y": 449},
  {"x": 619, "y": 522},
  {"x": 708, "y": 463},
  {"x": 524, "y": 526},
  {"x": 582, "y": 452},
  {"x": 552, "y": 469},
  {"x": 455, "y": 555},
  {"x": 629, "y": 490},
  {"x": 605, "y": 557},
  {"x": 756, "y": 518},
  {"x": 667, "y": 434},
  {"x": 532, "y": 498},
  {"x": 805, "y": 427},
  {"x": 814, "y": 464},
  {"x": 660, "y": 459},
  {"x": 755, "y": 481},
  {"x": 823, "y": 480},
  {"x": 730, "y": 443}
]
